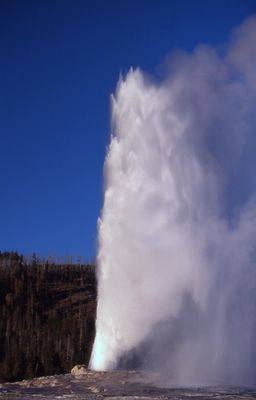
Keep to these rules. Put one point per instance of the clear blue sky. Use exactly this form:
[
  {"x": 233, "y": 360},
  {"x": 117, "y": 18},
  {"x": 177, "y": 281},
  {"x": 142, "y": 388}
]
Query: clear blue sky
[{"x": 59, "y": 62}]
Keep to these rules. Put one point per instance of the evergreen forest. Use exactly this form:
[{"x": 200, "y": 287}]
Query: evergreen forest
[{"x": 47, "y": 315}]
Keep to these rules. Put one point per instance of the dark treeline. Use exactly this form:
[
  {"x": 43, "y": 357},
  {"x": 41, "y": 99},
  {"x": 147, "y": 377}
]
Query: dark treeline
[{"x": 47, "y": 316}]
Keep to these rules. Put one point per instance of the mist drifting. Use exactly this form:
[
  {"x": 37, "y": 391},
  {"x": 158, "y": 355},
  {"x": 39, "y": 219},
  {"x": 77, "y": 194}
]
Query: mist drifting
[{"x": 177, "y": 234}]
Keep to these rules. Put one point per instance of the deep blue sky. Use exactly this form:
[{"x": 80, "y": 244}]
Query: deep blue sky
[{"x": 59, "y": 62}]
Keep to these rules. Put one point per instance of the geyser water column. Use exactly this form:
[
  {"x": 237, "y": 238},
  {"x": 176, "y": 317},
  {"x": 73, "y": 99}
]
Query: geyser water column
[
  {"x": 144, "y": 200},
  {"x": 176, "y": 260}
]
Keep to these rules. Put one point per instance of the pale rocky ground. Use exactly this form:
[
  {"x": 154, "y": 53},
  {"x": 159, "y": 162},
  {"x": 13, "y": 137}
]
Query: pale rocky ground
[{"x": 125, "y": 385}]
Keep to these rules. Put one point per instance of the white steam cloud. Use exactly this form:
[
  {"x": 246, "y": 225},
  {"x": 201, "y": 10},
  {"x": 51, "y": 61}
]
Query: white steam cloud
[{"x": 177, "y": 235}]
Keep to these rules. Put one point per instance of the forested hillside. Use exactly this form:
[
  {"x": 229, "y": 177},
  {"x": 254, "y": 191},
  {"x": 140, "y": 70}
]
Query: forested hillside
[{"x": 47, "y": 316}]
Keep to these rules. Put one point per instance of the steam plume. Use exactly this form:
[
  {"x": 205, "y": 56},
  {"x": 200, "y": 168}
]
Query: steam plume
[{"x": 176, "y": 260}]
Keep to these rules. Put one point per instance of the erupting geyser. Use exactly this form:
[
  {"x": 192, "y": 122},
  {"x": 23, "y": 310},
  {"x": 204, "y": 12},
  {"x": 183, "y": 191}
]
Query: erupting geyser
[{"x": 177, "y": 235}]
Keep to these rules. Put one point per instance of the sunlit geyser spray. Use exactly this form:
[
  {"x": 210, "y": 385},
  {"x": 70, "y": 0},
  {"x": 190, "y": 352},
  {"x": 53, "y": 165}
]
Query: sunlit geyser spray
[{"x": 176, "y": 260}]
